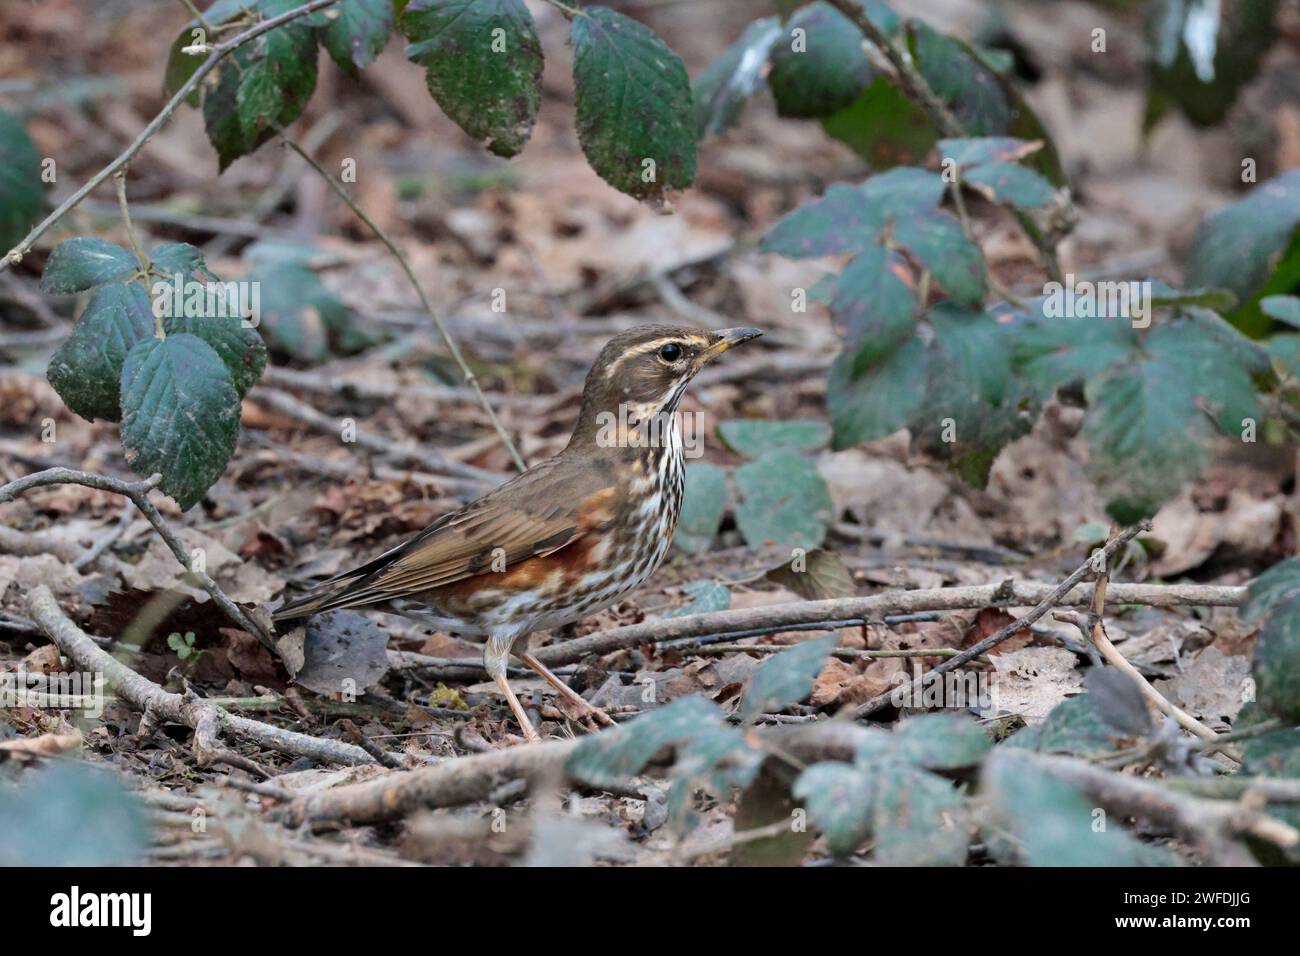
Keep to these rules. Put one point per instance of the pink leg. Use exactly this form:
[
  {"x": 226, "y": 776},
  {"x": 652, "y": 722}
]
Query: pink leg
[{"x": 565, "y": 690}]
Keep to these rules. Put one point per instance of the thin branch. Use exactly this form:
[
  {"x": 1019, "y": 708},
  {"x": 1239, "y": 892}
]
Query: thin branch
[
  {"x": 1054, "y": 598},
  {"x": 219, "y": 52},
  {"x": 119, "y": 182},
  {"x": 206, "y": 718},
  {"x": 138, "y": 493},
  {"x": 466, "y": 372}
]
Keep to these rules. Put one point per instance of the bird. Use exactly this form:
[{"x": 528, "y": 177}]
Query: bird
[{"x": 567, "y": 537}]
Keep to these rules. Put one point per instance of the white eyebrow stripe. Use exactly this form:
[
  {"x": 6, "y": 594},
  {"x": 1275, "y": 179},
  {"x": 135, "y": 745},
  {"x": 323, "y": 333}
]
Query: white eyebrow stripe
[{"x": 646, "y": 347}]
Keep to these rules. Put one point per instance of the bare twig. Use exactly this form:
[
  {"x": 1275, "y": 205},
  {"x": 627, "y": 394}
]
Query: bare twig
[
  {"x": 1053, "y": 598},
  {"x": 138, "y": 493},
  {"x": 206, "y": 718},
  {"x": 466, "y": 372},
  {"x": 219, "y": 52}
]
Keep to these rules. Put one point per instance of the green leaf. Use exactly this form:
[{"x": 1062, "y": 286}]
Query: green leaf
[
  {"x": 722, "y": 90},
  {"x": 703, "y": 502},
  {"x": 1284, "y": 308},
  {"x": 1217, "y": 363},
  {"x": 87, "y": 368},
  {"x": 918, "y": 820},
  {"x": 936, "y": 240},
  {"x": 941, "y": 741},
  {"x": 180, "y": 414},
  {"x": 222, "y": 319},
  {"x": 783, "y": 500},
  {"x": 818, "y": 66},
  {"x": 355, "y": 31},
  {"x": 1054, "y": 350},
  {"x": 261, "y": 86},
  {"x": 1237, "y": 247},
  {"x": 875, "y": 305},
  {"x": 1146, "y": 438},
  {"x": 1011, "y": 184},
  {"x": 1162, "y": 296},
  {"x": 883, "y": 126},
  {"x": 71, "y": 814},
  {"x": 1278, "y": 584},
  {"x": 634, "y": 111},
  {"x": 82, "y": 263},
  {"x": 181, "y": 65},
  {"x": 22, "y": 194},
  {"x": 753, "y": 437},
  {"x": 1276, "y": 666},
  {"x": 483, "y": 63},
  {"x": 1072, "y": 727},
  {"x": 978, "y": 151},
  {"x": 839, "y": 799},
  {"x": 786, "y": 678},
  {"x": 842, "y": 220},
  {"x": 961, "y": 81},
  {"x": 612, "y": 756},
  {"x": 1051, "y": 821},
  {"x": 299, "y": 315},
  {"x": 705, "y": 596},
  {"x": 880, "y": 400}
]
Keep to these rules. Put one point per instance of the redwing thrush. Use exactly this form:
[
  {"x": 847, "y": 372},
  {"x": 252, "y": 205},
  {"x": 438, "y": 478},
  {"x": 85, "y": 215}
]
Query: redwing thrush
[{"x": 566, "y": 538}]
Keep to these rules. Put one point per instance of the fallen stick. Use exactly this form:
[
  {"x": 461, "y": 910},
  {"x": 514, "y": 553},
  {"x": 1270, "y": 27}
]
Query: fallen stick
[
  {"x": 1098, "y": 561},
  {"x": 1007, "y": 594},
  {"x": 206, "y": 719}
]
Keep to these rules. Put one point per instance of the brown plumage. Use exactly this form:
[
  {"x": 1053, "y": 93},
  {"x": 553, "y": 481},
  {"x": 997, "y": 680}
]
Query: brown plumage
[{"x": 567, "y": 537}]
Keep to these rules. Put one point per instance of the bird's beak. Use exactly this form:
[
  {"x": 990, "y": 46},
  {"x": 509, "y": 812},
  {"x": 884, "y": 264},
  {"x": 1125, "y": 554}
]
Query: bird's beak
[{"x": 727, "y": 339}]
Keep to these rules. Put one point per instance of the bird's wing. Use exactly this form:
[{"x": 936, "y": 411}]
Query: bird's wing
[{"x": 546, "y": 508}]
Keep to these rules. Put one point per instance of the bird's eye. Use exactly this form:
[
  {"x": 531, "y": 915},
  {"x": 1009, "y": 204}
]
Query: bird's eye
[{"x": 670, "y": 352}]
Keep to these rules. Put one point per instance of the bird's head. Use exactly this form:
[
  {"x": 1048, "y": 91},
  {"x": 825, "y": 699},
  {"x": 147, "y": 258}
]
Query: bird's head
[{"x": 641, "y": 373}]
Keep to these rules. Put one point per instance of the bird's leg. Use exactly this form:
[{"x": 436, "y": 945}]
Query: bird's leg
[
  {"x": 565, "y": 690},
  {"x": 494, "y": 659}
]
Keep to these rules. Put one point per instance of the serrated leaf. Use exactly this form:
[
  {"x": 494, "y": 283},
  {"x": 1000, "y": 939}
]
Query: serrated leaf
[
  {"x": 1276, "y": 665},
  {"x": 883, "y": 126},
  {"x": 84, "y": 262},
  {"x": 633, "y": 105},
  {"x": 722, "y": 90},
  {"x": 1011, "y": 184},
  {"x": 842, "y": 220},
  {"x": 941, "y": 741},
  {"x": 1050, "y": 820},
  {"x": 261, "y": 86},
  {"x": 483, "y": 65},
  {"x": 839, "y": 798},
  {"x": 752, "y": 437},
  {"x": 1146, "y": 438},
  {"x": 1276, "y": 585},
  {"x": 977, "y": 151},
  {"x": 71, "y": 814},
  {"x": 355, "y": 31},
  {"x": 705, "y": 596},
  {"x": 180, "y": 414},
  {"x": 878, "y": 401},
  {"x": 818, "y": 66},
  {"x": 1072, "y": 727},
  {"x": 822, "y": 575},
  {"x": 1284, "y": 308},
  {"x": 1053, "y": 350},
  {"x": 86, "y": 370},
  {"x": 786, "y": 678},
  {"x": 22, "y": 194},
  {"x": 612, "y": 756},
  {"x": 1237, "y": 247},
  {"x": 783, "y": 500},
  {"x": 218, "y": 319},
  {"x": 918, "y": 819},
  {"x": 936, "y": 239},
  {"x": 703, "y": 502},
  {"x": 875, "y": 305}
]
